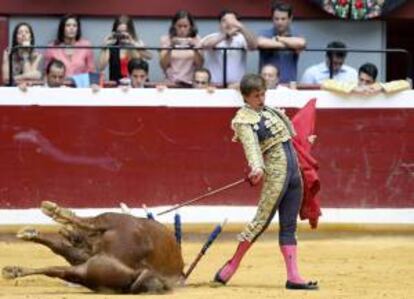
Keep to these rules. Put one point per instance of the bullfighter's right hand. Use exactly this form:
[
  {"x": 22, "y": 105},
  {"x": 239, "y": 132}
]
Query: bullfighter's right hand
[{"x": 255, "y": 176}]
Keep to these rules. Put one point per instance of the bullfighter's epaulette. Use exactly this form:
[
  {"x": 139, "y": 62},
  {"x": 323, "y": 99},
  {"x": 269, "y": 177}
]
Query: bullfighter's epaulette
[{"x": 245, "y": 115}]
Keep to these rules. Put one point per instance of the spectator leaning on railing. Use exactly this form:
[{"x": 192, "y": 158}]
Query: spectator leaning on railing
[
  {"x": 233, "y": 34},
  {"x": 123, "y": 34},
  {"x": 281, "y": 45},
  {"x": 271, "y": 75},
  {"x": 367, "y": 84},
  {"x": 77, "y": 61},
  {"x": 335, "y": 62},
  {"x": 367, "y": 74},
  {"x": 179, "y": 65},
  {"x": 25, "y": 62},
  {"x": 55, "y": 77},
  {"x": 138, "y": 72},
  {"x": 55, "y": 73},
  {"x": 202, "y": 80}
]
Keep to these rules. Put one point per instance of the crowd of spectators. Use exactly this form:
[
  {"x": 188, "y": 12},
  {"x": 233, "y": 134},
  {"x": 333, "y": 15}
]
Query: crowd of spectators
[{"x": 187, "y": 60}]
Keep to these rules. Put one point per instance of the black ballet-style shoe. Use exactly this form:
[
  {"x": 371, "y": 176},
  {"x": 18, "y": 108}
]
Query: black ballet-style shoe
[
  {"x": 217, "y": 277},
  {"x": 311, "y": 285}
]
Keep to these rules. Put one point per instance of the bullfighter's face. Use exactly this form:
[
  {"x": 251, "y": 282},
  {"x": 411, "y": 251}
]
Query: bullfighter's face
[{"x": 255, "y": 99}]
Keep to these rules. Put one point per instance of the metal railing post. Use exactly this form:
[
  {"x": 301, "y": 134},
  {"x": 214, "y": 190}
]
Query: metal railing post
[
  {"x": 11, "y": 79},
  {"x": 225, "y": 68}
]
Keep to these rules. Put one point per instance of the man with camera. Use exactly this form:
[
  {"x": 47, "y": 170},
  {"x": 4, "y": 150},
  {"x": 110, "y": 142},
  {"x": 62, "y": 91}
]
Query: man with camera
[{"x": 233, "y": 34}]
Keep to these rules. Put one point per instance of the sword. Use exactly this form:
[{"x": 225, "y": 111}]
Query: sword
[{"x": 218, "y": 190}]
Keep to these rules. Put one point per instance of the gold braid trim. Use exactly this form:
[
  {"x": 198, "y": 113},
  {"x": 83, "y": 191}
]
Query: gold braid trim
[
  {"x": 250, "y": 143},
  {"x": 245, "y": 116}
]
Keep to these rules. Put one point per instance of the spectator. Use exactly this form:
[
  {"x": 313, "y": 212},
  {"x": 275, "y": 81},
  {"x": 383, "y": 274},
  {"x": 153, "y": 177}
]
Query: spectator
[
  {"x": 138, "y": 72},
  {"x": 202, "y": 79},
  {"x": 332, "y": 68},
  {"x": 367, "y": 84},
  {"x": 367, "y": 74},
  {"x": 233, "y": 34},
  {"x": 179, "y": 65},
  {"x": 77, "y": 61},
  {"x": 25, "y": 62},
  {"x": 55, "y": 73},
  {"x": 123, "y": 34},
  {"x": 55, "y": 76},
  {"x": 270, "y": 74},
  {"x": 280, "y": 45}
]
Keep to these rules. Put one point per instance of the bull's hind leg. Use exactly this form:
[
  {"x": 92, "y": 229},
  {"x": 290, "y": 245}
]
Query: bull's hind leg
[
  {"x": 59, "y": 214},
  {"x": 74, "y": 274},
  {"x": 67, "y": 217},
  {"x": 59, "y": 245}
]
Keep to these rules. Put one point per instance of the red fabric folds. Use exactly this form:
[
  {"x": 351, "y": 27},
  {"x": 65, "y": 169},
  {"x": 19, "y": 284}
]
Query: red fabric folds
[{"x": 304, "y": 124}]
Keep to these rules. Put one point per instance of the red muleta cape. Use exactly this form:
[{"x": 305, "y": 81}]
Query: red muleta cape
[{"x": 304, "y": 124}]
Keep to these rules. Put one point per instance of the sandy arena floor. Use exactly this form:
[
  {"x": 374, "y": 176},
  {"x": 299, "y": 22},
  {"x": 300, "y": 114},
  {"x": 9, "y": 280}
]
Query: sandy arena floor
[{"x": 346, "y": 267}]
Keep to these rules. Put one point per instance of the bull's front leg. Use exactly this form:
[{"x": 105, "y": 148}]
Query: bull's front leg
[{"x": 56, "y": 243}]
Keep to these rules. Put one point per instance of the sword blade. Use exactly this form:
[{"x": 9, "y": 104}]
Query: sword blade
[{"x": 210, "y": 193}]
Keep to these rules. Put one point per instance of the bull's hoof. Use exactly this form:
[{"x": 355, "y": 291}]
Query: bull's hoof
[
  {"x": 27, "y": 233},
  {"x": 48, "y": 208},
  {"x": 59, "y": 214},
  {"x": 11, "y": 272}
]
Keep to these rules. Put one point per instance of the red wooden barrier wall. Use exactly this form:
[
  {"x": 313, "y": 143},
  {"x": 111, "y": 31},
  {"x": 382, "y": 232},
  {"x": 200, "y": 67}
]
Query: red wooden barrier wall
[{"x": 100, "y": 156}]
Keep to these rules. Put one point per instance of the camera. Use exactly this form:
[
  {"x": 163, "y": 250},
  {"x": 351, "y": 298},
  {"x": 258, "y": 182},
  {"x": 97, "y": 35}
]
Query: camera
[
  {"x": 181, "y": 42},
  {"x": 120, "y": 37}
]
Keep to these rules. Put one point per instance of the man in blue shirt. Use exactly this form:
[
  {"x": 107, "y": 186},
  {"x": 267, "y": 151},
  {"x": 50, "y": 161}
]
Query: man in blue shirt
[
  {"x": 279, "y": 45},
  {"x": 333, "y": 67}
]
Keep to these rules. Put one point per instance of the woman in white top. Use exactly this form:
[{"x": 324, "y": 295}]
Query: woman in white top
[{"x": 179, "y": 65}]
